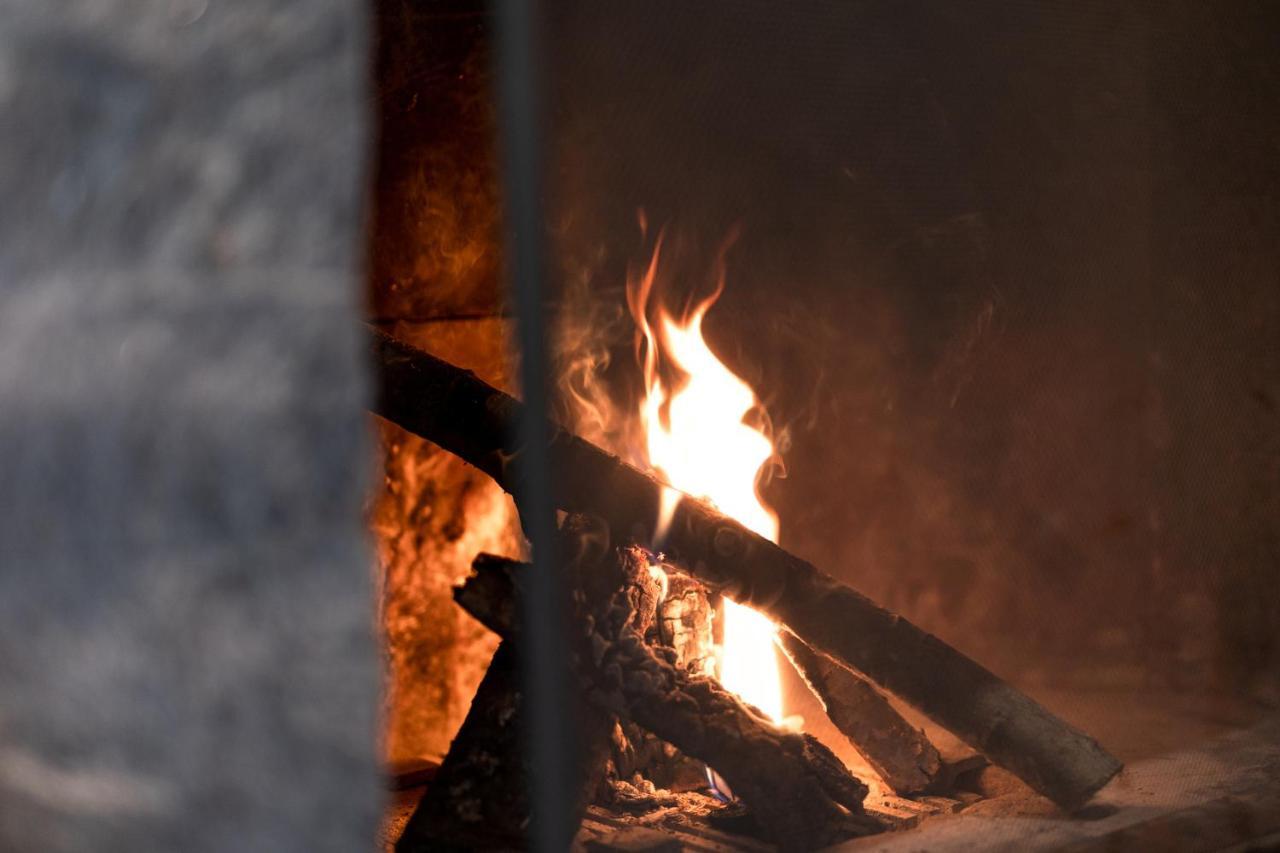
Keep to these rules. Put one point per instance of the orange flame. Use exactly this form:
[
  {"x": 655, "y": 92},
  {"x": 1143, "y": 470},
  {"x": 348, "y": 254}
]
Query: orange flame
[{"x": 698, "y": 439}]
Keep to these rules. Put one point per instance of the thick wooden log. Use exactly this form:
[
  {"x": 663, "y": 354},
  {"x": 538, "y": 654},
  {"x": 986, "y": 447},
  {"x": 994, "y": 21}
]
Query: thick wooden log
[
  {"x": 799, "y": 793},
  {"x": 479, "y": 797},
  {"x": 451, "y": 407},
  {"x": 900, "y": 753}
]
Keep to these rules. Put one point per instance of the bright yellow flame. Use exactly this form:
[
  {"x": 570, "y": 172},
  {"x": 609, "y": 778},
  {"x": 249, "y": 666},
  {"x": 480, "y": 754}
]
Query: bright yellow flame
[{"x": 698, "y": 440}]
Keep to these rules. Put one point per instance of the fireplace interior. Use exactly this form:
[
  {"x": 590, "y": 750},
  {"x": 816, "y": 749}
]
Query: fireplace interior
[
  {"x": 998, "y": 282},
  {"x": 908, "y": 476}
]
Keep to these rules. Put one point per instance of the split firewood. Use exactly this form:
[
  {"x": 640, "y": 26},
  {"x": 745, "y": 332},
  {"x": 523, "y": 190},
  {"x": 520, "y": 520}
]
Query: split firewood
[
  {"x": 451, "y": 407},
  {"x": 899, "y": 753},
  {"x": 479, "y": 797},
  {"x": 800, "y": 794},
  {"x": 685, "y": 622}
]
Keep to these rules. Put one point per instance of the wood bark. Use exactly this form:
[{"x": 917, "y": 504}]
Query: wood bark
[
  {"x": 451, "y": 407},
  {"x": 899, "y": 753},
  {"x": 797, "y": 790},
  {"x": 479, "y": 798}
]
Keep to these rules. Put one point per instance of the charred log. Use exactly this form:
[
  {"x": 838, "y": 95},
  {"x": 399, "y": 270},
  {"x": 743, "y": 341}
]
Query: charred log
[
  {"x": 479, "y": 797},
  {"x": 637, "y": 756},
  {"x": 459, "y": 412},
  {"x": 798, "y": 792},
  {"x": 685, "y": 622},
  {"x": 900, "y": 753},
  {"x": 682, "y": 622}
]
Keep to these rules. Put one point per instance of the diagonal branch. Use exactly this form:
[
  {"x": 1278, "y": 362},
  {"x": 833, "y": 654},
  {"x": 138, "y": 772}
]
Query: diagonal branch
[{"x": 451, "y": 407}]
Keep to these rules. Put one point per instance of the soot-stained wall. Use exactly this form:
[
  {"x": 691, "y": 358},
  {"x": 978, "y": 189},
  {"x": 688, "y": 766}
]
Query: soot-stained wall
[
  {"x": 1006, "y": 278},
  {"x": 434, "y": 255}
]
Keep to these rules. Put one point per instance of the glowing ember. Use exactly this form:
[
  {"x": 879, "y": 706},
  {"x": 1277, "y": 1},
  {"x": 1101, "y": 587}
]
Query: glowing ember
[{"x": 698, "y": 440}]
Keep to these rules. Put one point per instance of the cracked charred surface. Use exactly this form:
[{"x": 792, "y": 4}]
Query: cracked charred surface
[
  {"x": 801, "y": 795},
  {"x": 798, "y": 791}
]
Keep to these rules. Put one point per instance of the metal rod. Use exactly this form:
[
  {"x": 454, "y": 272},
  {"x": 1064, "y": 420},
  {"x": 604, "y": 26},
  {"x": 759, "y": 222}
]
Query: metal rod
[{"x": 544, "y": 644}]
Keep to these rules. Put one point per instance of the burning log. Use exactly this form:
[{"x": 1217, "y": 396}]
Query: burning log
[
  {"x": 799, "y": 793},
  {"x": 459, "y": 412},
  {"x": 637, "y": 757},
  {"x": 479, "y": 797},
  {"x": 900, "y": 753},
  {"x": 684, "y": 622}
]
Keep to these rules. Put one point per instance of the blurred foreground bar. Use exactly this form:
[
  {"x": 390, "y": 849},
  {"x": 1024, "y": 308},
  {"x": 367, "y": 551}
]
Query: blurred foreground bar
[{"x": 186, "y": 658}]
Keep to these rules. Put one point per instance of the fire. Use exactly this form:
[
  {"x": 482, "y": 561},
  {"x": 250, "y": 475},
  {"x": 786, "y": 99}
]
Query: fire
[{"x": 698, "y": 439}]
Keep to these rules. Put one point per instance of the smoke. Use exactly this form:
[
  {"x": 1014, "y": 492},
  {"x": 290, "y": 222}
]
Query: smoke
[{"x": 590, "y": 330}]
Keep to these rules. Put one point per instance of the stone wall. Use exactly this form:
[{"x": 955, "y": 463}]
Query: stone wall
[{"x": 187, "y": 660}]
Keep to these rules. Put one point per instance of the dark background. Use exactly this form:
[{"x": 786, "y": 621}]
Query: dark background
[
  {"x": 1008, "y": 278},
  {"x": 1007, "y": 271}
]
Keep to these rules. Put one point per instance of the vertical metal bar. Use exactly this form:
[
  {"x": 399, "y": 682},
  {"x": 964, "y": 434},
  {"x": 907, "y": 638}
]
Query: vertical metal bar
[{"x": 544, "y": 644}]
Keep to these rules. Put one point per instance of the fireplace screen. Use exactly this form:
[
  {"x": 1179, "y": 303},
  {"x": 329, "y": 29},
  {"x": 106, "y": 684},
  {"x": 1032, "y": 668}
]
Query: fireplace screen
[{"x": 815, "y": 426}]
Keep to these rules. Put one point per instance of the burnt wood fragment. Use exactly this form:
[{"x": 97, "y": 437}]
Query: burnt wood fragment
[
  {"x": 636, "y": 754},
  {"x": 479, "y": 797},
  {"x": 685, "y": 622},
  {"x": 682, "y": 622},
  {"x": 451, "y": 407},
  {"x": 899, "y": 753}
]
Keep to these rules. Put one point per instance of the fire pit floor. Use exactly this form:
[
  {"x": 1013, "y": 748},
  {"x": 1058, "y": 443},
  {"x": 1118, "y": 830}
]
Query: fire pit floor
[
  {"x": 1218, "y": 796},
  {"x": 1203, "y": 774},
  {"x": 682, "y": 822}
]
